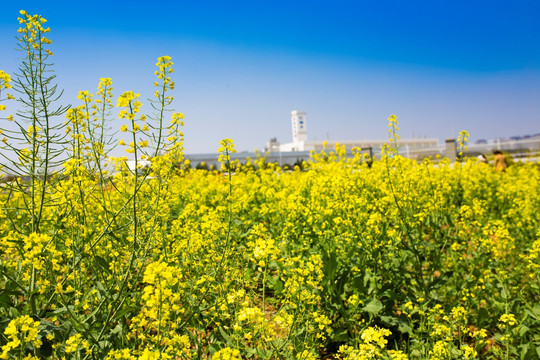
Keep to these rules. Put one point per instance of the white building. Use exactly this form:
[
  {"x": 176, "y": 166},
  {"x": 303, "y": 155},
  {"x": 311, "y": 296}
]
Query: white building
[
  {"x": 299, "y": 126},
  {"x": 301, "y": 143}
]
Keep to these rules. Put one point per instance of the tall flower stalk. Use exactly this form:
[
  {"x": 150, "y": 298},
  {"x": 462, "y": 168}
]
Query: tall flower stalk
[{"x": 36, "y": 130}]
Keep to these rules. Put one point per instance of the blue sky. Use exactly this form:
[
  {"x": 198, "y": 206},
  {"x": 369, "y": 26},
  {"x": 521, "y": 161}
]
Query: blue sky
[{"x": 242, "y": 66}]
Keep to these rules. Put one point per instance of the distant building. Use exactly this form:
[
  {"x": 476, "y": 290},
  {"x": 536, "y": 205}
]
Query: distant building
[
  {"x": 300, "y": 148},
  {"x": 299, "y": 126},
  {"x": 272, "y": 145},
  {"x": 301, "y": 143}
]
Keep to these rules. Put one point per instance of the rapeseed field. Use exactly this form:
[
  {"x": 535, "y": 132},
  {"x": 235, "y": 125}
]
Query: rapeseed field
[{"x": 340, "y": 258}]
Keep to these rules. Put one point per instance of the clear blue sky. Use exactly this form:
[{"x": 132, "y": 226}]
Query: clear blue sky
[{"x": 242, "y": 66}]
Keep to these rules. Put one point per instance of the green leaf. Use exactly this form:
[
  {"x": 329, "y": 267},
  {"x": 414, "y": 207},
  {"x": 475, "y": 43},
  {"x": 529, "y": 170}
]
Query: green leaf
[
  {"x": 213, "y": 348},
  {"x": 523, "y": 330},
  {"x": 342, "y": 335},
  {"x": 103, "y": 263},
  {"x": 388, "y": 320},
  {"x": 5, "y": 301},
  {"x": 331, "y": 266},
  {"x": 103, "y": 291},
  {"x": 524, "y": 351},
  {"x": 277, "y": 285},
  {"x": 250, "y": 352},
  {"x": 225, "y": 336},
  {"x": 415, "y": 354},
  {"x": 122, "y": 312},
  {"x": 482, "y": 316},
  {"x": 61, "y": 310},
  {"x": 404, "y": 327},
  {"x": 117, "y": 329},
  {"x": 265, "y": 354},
  {"x": 367, "y": 276},
  {"x": 532, "y": 314},
  {"x": 9, "y": 289},
  {"x": 373, "y": 307}
]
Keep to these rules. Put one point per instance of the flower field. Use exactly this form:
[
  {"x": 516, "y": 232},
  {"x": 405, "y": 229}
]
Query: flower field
[{"x": 340, "y": 258}]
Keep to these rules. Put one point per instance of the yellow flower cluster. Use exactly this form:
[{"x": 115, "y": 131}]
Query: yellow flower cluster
[
  {"x": 507, "y": 319},
  {"x": 463, "y": 140},
  {"x": 128, "y": 100},
  {"x": 104, "y": 91},
  {"x": 39, "y": 253},
  {"x": 76, "y": 343},
  {"x": 120, "y": 354},
  {"x": 77, "y": 126},
  {"x": 177, "y": 119},
  {"x": 497, "y": 239},
  {"x": 393, "y": 136},
  {"x": 32, "y": 31},
  {"x": 20, "y": 332},
  {"x": 164, "y": 65},
  {"x": 376, "y": 336},
  {"x": 5, "y": 83},
  {"x": 373, "y": 347},
  {"x": 225, "y": 150},
  {"x": 226, "y": 354},
  {"x": 440, "y": 351},
  {"x": 5, "y": 79},
  {"x": 533, "y": 257},
  {"x": 264, "y": 248},
  {"x": 161, "y": 308},
  {"x": 303, "y": 277},
  {"x": 85, "y": 96}
]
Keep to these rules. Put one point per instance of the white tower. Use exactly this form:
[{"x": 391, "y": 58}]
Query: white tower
[{"x": 299, "y": 126}]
